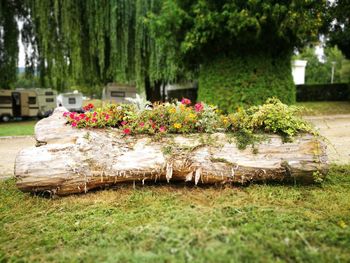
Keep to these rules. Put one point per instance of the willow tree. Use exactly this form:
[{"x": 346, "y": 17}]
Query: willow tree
[
  {"x": 239, "y": 50},
  {"x": 88, "y": 42},
  {"x": 8, "y": 43}
]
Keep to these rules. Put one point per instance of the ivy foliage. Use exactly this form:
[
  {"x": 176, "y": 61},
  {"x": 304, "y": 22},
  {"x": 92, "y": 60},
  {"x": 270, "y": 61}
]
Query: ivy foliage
[{"x": 233, "y": 82}]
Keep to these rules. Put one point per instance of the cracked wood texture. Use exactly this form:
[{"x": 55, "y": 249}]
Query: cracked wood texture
[{"x": 69, "y": 160}]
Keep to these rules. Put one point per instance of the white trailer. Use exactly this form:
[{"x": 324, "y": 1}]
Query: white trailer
[
  {"x": 118, "y": 93},
  {"x": 72, "y": 101}
]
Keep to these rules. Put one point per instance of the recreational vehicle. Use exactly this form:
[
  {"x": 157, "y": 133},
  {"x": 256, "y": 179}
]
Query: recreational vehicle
[
  {"x": 117, "y": 93},
  {"x": 26, "y": 103},
  {"x": 181, "y": 90},
  {"x": 72, "y": 101},
  {"x": 46, "y": 100}
]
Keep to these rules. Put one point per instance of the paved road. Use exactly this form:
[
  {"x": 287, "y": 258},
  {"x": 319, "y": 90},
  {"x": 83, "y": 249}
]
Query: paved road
[
  {"x": 335, "y": 128},
  {"x": 9, "y": 147}
]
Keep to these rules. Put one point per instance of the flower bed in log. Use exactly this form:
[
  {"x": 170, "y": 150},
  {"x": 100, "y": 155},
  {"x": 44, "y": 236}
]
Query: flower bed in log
[
  {"x": 169, "y": 142},
  {"x": 273, "y": 117}
]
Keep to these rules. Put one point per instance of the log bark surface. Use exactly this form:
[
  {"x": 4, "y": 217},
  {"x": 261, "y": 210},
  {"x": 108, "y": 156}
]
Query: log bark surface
[{"x": 68, "y": 160}]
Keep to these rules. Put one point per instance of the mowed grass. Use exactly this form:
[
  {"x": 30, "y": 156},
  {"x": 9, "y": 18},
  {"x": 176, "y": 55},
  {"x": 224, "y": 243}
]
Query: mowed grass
[
  {"x": 325, "y": 107},
  {"x": 17, "y": 128},
  {"x": 258, "y": 223}
]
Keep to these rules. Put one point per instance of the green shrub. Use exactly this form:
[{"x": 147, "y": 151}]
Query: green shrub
[{"x": 232, "y": 82}]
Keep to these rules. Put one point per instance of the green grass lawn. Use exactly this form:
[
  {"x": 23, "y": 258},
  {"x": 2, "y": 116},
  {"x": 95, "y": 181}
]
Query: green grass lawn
[
  {"x": 325, "y": 107},
  {"x": 17, "y": 128},
  {"x": 258, "y": 223}
]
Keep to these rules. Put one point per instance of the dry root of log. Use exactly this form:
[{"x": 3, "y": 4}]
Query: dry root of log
[{"x": 69, "y": 160}]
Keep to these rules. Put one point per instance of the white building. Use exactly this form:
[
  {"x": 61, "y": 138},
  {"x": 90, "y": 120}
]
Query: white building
[{"x": 298, "y": 71}]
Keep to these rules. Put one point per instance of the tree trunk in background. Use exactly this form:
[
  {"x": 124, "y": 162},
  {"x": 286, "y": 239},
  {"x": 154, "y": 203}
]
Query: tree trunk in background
[{"x": 153, "y": 92}]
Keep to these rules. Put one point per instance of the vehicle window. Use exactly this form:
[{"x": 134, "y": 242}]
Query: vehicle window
[
  {"x": 71, "y": 100},
  {"x": 5, "y": 100},
  {"x": 50, "y": 100},
  {"x": 120, "y": 94},
  {"x": 31, "y": 100}
]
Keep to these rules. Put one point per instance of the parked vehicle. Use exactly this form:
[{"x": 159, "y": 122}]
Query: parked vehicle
[
  {"x": 46, "y": 100},
  {"x": 118, "y": 93},
  {"x": 72, "y": 101},
  {"x": 23, "y": 103}
]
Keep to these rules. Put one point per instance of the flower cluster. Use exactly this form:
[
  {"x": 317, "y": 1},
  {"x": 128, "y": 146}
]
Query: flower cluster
[{"x": 182, "y": 117}]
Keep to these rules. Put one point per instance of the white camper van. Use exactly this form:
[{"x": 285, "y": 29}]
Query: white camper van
[
  {"x": 72, "y": 101},
  {"x": 117, "y": 93}
]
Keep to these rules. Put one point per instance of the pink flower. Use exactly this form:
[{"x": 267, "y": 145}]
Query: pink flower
[
  {"x": 74, "y": 124},
  {"x": 72, "y": 115},
  {"x": 94, "y": 114},
  {"x": 77, "y": 118},
  {"x": 94, "y": 120},
  {"x": 186, "y": 101},
  {"x": 198, "y": 107},
  {"x": 142, "y": 124},
  {"x": 126, "y": 131},
  {"x": 65, "y": 114},
  {"x": 124, "y": 123},
  {"x": 162, "y": 129},
  {"x": 107, "y": 117},
  {"x": 82, "y": 115}
]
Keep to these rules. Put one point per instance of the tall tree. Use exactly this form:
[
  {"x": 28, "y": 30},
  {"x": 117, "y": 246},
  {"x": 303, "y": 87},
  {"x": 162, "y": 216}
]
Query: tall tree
[
  {"x": 340, "y": 26},
  {"x": 241, "y": 48},
  {"x": 8, "y": 43}
]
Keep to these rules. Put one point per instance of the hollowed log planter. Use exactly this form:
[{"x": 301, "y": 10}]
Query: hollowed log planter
[{"x": 69, "y": 160}]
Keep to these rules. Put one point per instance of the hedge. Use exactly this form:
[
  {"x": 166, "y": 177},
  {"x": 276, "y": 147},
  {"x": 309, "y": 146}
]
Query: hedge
[
  {"x": 235, "y": 81},
  {"x": 323, "y": 92}
]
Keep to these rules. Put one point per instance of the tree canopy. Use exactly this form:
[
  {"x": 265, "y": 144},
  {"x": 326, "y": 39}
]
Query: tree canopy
[
  {"x": 88, "y": 42},
  {"x": 340, "y": 27}
]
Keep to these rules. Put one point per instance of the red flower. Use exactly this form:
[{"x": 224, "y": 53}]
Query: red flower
[
  {"x": 74, "y": 124},
  {"x": 126, "y": 131},
  {"x": 72, "y": 115},
  {"x": 94, "y": 114},
  {"x": 94, "y": 120},
  {"x": 88, "y": 107},
  {"x": 142, "y": 124},
  {"x": 186, "y": 101},
  {"x": 87, "y": 118},
  {"x": 77, "y": 118},
  {"x": 107, "y": 117},
  {"x": 162, "y": 129},
  {"x": 198, "y": 107}
]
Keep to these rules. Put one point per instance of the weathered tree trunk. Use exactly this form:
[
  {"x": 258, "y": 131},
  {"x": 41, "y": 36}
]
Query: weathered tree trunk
[{"x": 69, "y": 160}]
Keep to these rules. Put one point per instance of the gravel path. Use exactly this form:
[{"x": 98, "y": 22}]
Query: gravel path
[{"x": 336, "y": 128}]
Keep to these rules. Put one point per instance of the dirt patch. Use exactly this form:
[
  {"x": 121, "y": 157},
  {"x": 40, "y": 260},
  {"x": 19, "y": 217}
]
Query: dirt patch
[{"x": 9, "y": 147}]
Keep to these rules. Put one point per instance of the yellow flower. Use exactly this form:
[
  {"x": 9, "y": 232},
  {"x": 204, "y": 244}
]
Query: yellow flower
[
  {"x": 177, "y": 125},
  {"x": 192, "y": 116},
  {"x": 172, "y": 110}
]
